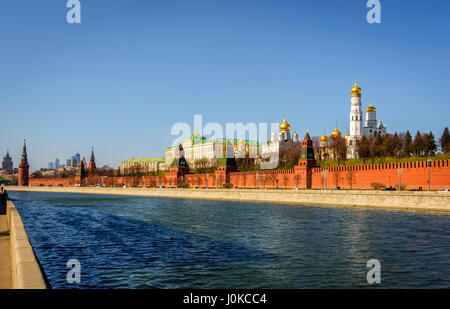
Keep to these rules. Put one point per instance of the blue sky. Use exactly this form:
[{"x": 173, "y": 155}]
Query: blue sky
[{"x": 119, "y": 80}]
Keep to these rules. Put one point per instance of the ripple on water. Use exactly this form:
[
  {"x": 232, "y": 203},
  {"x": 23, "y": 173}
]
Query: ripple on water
[{"x": 135, "y": 242}]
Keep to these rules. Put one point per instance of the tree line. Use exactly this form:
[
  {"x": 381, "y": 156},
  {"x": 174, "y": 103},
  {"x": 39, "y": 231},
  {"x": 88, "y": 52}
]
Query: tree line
[{"x": 402, "y": 145}]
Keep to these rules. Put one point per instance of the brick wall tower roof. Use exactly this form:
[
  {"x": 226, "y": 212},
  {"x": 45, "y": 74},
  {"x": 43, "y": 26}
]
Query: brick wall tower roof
[
  {"x": 24, "y": 158},
  {"x": 92, "y": 165},
  {"x": 24, "y": 167}
]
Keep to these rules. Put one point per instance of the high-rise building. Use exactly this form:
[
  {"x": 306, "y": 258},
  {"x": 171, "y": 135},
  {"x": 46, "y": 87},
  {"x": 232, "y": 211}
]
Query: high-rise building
[
  {"x": 69, "y": 162},
  {"x": 57, "y": 165},
  {"x": 7, "y": 163},
  {"x": 50, "y": 165},
  {"x": 78, "y": 158}
]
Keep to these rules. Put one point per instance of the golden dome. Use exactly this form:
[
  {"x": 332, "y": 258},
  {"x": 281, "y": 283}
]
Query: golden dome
[
  {"x": 371, "y": 109},
  {"x": 356, "y": 91},
  {"x": 324, "y": 139},
  {"x": 347, "y": 136},
  {"x": 196, "y": 133},
  {"x": 285, "y": 126},
  {"x": 336, "y": 133}
]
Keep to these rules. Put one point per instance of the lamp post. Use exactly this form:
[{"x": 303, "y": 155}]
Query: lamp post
[
  {"x": 400, "y": 179},
  {"x": 429, "y": 164}
]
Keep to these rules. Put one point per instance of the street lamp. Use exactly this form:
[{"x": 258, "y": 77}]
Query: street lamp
[{"x": 429, "y": 164}]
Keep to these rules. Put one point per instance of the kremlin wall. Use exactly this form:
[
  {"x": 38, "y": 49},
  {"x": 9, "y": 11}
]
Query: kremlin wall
[
  {"x": 414, "y": 175},
  {"x": 411, "y": 175}
]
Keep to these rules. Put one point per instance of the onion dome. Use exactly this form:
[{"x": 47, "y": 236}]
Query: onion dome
[
  {"x": 285, "y": 126},
  {"x": 324, "y": 139},
  {"x": 196, "y": 133},
  {"x": 336, "y": 133},
  {"x": 371, "y": 109},
  {"x": 356, "y": 91},
  {"x": 346, "y": 137}
]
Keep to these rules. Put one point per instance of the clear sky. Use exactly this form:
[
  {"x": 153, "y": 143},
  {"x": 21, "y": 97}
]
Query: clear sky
[{"x": 119, "y": 80}]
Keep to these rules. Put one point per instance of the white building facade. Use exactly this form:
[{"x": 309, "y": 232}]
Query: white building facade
[{"x": 199, "y": 148}]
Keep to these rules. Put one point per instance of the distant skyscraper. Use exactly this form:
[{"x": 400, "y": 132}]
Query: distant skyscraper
[
  {"x": 69, "y": 162},
  {"x": 57, "y": 164},
  {"x": 50, "y": 165},
  {"x": 7, "y": 163},
  {"x": 78, "y": 158}
]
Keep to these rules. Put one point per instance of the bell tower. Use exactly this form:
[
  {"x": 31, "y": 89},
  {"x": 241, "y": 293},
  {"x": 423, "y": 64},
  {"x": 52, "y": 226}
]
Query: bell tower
[{"x": 356, "y": 114}]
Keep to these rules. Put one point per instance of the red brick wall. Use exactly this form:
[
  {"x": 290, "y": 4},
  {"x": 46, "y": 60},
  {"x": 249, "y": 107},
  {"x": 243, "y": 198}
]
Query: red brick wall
[
  {"x": 265, "y": 179},
  {"x": 52, "y": 182},
  {"x": 414, "y": 175}
]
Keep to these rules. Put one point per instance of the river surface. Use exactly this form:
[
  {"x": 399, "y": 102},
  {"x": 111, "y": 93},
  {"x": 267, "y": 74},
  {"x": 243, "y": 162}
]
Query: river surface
[{"x": 145, "y": 242}]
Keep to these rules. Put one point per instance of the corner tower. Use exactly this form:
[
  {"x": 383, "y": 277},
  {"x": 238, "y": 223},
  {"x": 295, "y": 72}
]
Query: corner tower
[{"x": 24, "y": 167}]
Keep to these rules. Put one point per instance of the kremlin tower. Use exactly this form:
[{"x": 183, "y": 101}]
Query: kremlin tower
[
  {"x": 24, "y": 167},
  {"x": 80, "y": 175},
  {"x": 92, "y": 167}
]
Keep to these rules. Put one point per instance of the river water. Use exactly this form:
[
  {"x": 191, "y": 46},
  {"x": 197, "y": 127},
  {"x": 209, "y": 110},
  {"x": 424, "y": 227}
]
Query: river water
[{"x": 144, "y": 242}]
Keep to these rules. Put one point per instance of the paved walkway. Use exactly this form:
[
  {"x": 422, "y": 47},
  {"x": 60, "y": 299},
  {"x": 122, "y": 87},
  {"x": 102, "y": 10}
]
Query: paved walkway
[{"x": 5, "y": 256}]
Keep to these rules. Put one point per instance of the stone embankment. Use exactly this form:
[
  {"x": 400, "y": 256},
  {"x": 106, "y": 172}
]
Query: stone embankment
[{"x": 19, "y": 268}]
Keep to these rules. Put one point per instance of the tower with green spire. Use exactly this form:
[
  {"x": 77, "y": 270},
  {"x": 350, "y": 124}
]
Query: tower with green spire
[
  {"x": 178, "y": 169},
  {"x": 308, "y": 150},
  {"x": 303, "y": 171},
  {"x": 80, "y": 174},
  {"x": 24, "y": 167},
  {"x": 92, "y": 166}
]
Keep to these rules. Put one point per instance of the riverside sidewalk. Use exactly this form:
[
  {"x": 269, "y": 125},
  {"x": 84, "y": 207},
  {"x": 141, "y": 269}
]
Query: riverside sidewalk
[{"x": 5, "y": 249}]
